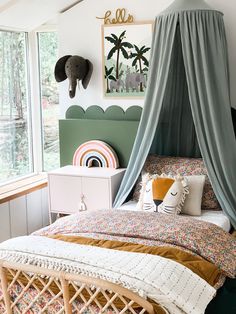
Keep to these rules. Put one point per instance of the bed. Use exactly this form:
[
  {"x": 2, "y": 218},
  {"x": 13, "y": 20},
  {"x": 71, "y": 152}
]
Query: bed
[
  {"x": 121, "y": 261},
  {"x": 124, "y": 260},
  {"x": 117, "y": 262}
]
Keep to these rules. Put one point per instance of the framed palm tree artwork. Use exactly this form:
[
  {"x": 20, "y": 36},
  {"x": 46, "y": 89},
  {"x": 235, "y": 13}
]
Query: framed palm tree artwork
[{"x": 126, "y": 54}]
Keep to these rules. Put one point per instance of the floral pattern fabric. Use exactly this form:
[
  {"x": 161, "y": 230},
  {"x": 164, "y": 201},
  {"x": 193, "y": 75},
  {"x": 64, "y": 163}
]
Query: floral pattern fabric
[
  {"x": 185, "y": 167},
  {"x": 202, "y": 238}
]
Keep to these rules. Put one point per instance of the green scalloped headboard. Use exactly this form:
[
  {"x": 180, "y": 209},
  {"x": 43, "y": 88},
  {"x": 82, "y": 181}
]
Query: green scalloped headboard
[{"x": 114, "y": 126}]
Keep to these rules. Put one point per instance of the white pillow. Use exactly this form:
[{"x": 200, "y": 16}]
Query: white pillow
[{"x": 193, "y": 201}]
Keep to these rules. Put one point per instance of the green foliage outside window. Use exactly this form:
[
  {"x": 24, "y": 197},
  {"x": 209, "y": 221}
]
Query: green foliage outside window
[
  {"x": 15, "y": 135},
  {"x": 48, "y": 54}
]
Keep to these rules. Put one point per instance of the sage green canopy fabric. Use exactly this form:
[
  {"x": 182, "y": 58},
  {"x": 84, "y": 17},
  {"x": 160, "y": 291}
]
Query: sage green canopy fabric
[{"x": 187, "y": 110}]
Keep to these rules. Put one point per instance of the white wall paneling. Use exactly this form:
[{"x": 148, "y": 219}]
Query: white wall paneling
[
  {"x": 5, "y": 226},
  {"x": 80, "y": 33},
  {"x": 23, "y": 215},
  {"x": 34, "y": 212},
  {"x": 18, "y": 216},
  {"x": 45, "y": 209}
]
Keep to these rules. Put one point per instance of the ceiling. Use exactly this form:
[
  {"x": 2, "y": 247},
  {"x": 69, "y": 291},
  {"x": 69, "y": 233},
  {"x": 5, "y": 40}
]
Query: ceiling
[{"x": 30, "y": 14}]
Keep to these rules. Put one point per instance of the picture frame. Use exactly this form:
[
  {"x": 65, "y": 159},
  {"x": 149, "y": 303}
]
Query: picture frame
[{"x": 126, "y": 50}]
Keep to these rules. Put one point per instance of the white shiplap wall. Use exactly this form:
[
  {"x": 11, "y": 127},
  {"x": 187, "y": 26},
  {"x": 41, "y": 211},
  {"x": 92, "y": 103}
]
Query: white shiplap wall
[{"x": 23, "y": 215}]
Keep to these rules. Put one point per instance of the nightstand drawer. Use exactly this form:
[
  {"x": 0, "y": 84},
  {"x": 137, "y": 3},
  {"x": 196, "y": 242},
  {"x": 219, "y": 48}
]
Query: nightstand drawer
[{"x": 65, "y": 193}]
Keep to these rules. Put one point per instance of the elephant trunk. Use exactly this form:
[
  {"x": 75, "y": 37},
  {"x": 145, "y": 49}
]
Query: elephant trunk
[{"x": 72, "y": 87}]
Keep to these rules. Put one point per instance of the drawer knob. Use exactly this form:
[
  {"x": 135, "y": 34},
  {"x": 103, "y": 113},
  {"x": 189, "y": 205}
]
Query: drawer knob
[{"x": 82, "y": 205}]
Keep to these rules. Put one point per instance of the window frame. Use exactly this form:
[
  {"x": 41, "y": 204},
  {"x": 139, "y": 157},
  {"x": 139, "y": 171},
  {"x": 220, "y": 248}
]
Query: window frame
[
  {"x": 37, "y": 116},
  {"x": 29, "y": 107},
  {"x": 35, "y": 124}
]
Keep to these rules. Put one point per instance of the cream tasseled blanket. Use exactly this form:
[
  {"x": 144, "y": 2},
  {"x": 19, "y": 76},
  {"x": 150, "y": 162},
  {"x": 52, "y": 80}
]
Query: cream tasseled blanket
[{"x": 170, "y": 284}]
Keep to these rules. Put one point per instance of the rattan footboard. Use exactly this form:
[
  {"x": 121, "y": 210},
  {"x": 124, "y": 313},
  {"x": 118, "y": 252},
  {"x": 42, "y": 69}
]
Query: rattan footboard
[{"x": 54, "y": 292}]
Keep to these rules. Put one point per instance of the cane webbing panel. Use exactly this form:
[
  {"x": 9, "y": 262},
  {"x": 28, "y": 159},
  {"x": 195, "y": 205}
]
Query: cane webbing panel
[{"x": 33, "y": 291}]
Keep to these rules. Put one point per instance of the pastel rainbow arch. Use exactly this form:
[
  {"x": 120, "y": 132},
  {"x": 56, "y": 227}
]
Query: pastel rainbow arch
[{"x": 95, "y": 153}]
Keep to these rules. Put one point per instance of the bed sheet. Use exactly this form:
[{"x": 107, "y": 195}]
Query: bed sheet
[{"x": 216, "y": 217}]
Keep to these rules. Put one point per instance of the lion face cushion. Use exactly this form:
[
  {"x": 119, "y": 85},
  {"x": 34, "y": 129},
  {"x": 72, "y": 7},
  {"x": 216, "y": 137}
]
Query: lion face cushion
[{"x": 163, "y": 194}]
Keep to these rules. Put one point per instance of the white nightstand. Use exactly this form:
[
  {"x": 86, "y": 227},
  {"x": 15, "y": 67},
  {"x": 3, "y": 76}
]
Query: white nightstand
[{"x": 70, "y": 187}]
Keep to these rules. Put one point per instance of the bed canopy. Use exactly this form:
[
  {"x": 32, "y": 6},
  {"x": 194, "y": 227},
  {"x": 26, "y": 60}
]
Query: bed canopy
[{"x": 187, "y": 109}]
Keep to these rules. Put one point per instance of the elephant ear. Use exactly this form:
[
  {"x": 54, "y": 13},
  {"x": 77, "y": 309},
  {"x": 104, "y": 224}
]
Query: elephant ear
[
  {"x": 88, "y": 74},
  {"x": 59, "y": 71}
]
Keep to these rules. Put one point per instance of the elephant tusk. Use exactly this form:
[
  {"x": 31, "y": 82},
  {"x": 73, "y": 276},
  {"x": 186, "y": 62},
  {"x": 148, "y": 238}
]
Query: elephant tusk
[{"x": 70, "y": 87}]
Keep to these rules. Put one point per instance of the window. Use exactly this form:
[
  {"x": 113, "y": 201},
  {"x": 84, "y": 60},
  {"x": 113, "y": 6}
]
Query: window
[
  {"x": 15, "y": 126},
  {"x": 20, "y": 149},
  {"x": 48, "y": 54}
]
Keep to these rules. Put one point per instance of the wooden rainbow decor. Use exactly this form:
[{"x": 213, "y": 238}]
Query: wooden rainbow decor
[{"x": 95, "y": 154}]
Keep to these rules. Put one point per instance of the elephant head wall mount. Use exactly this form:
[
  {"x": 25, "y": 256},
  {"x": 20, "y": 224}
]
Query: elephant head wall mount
[{"x": 75, "y": 68}]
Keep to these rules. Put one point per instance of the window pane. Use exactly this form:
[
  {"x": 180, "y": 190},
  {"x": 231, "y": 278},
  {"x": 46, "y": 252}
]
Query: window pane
[
  {"x": 15, "y": 133},
  {"x": 48, "y": 52}
]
